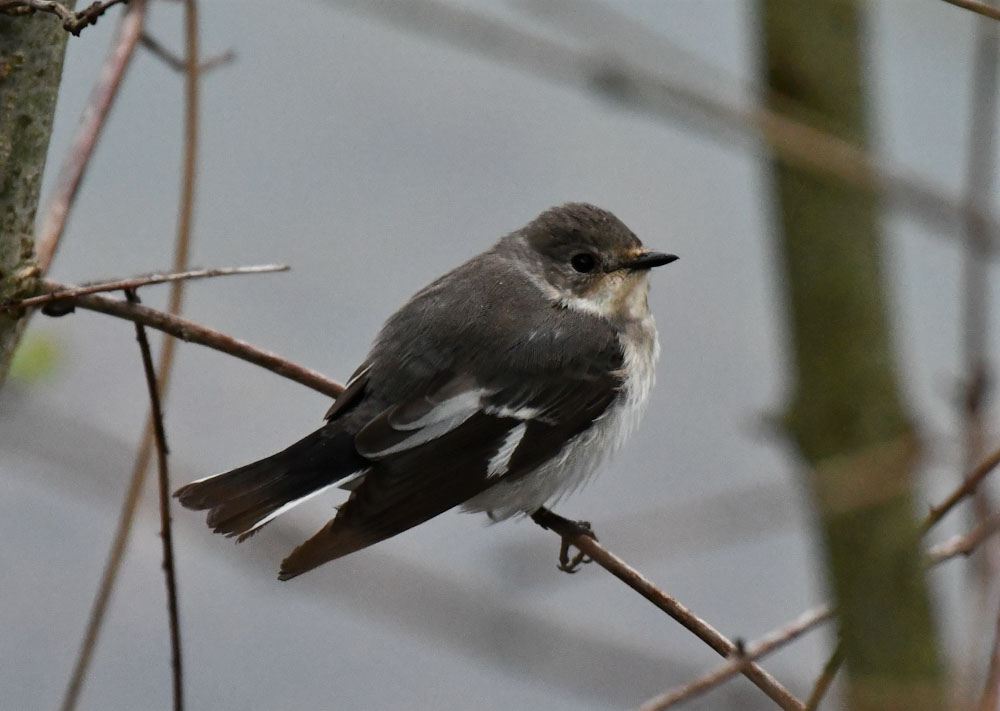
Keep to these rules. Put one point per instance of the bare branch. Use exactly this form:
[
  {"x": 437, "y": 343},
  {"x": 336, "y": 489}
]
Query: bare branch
[
  {"x": 773, "y": 640},
  {"x": 990, "y": 697},
  {"x": 136, "y": 282},
  {"x": 166, "y": 535},
  {"x": 981, "y": 8},
  {"x": 141, "y": 464},
  {"x": 967, "y": 487},
  {"x": 957, "y": 546},
  {"x": 91, "y": 124},
  {"x": 53, "y": 225},
  {"x": 569, "y": 532},
  {"x": 966, "y": 544},
  {"x": 177, "y": 63},
  {"x": 975, "y": 306},
  {"x": 664, "y": 98},
  {"x": 825, "y": 679},
  {"x": 100, "y": 605},
  {"x": 73, "y": 21}
]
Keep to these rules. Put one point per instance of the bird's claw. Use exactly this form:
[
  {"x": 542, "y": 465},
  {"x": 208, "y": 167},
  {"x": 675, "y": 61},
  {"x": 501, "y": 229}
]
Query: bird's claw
[
  {"x": 572, "y": 565},
  {"x": 568, "y": 530}
]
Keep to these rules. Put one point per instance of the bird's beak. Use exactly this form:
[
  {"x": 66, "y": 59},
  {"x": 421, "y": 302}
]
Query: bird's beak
[{"x": 648, "y": 260}]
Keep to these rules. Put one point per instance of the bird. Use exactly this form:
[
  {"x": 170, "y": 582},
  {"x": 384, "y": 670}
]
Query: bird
[{"x": 500, "y": 387}]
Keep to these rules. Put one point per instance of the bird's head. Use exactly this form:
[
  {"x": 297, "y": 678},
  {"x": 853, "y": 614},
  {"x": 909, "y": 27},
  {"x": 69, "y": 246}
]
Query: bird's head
[{"x": 585, "y": 258}]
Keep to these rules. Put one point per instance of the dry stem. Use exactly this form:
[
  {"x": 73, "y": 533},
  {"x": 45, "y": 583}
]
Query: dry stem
[
  {"x": 981, "y": 8},
  {"x": 182, "y": 248},
  {"x": 642, "y": 585},
  {"x": 773, "y": 640},
  {"x": 166, "y": 535},
  {"x": 91, "y": 124},
  {"x": 134, "y": 283},
  {"x": 178, "y": 64},
  {"x": 53, "y": 225},
  {"x": 663, "y": 98},
  {"x": 967, "y": 487},
  {"x": 957, "y": 546}
]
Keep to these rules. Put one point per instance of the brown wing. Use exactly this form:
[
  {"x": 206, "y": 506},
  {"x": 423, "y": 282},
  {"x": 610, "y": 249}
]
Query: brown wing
[{"x": 434, "y": 451}]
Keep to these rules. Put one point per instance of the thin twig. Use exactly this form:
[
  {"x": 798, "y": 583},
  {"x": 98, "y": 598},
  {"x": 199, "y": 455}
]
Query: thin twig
[
  {"x": 194, "y": 333},
  {"x": 589, "y": 546},
  {"x": 166, "y": 535},
  {"x": 975, "y": 308},
  {"x": 137, "y": 281},
  {"x": 73, "y": 21},
  {"x": 957, "y": 546},
  {"x": 968, "y": 486},
  {"x": 91, "y": 123},
  {"x": 978, "y": 7},
  {"x": 53, "y": 225},
  {"x": 965, "y": 544},
  {"x": 771, "y": 641},
  {"x": 962, "y": 545},
  {"x": 990, "y": 698},
  {"x": 650, "y": 92},
  {"x": 141, "y": 463},
  {"x": 177, "y": 63},
  {"x": 100, "y": 604},
  {"x": 826, "y": 677}
]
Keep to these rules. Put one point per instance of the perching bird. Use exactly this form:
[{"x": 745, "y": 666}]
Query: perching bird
[{"x": 501, "y": 387}]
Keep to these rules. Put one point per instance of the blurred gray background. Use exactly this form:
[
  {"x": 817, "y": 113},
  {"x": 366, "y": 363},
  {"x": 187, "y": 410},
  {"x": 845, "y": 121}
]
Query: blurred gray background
[{"x": 372, "y": 159}]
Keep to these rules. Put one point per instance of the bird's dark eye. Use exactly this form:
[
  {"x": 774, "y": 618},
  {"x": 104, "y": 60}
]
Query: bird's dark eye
[{"x": 583, "y": 262}]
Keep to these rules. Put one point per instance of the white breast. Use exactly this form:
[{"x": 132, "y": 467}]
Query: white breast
[{"x": 582, "y": 455}]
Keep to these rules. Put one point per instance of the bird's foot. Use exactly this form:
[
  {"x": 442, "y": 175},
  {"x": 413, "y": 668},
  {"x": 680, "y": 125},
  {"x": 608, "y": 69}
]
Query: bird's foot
[{"x": 568, "y": 530}]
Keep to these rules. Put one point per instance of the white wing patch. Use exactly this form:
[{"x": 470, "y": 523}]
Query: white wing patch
[
  {"x": 517, "y": 413},
  {"x": 464, "y": 405},
  {"x": 285, "y": 507},
  {"x": 500, "y": 462},
  {"x": 442, "y": 419},
  {"x": 581, "y": 456}
]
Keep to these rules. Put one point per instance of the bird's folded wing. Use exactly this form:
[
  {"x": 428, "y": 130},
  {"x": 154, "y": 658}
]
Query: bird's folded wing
[{"x": 443, "y": 446}]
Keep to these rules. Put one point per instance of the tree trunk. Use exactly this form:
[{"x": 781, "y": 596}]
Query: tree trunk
[
  {"x": 846, "y": 414},
  {"x": 31, "y": 57}
]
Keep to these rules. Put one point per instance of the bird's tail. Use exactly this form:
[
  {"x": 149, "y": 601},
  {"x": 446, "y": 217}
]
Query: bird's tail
[{"x": 240, "y": 501}]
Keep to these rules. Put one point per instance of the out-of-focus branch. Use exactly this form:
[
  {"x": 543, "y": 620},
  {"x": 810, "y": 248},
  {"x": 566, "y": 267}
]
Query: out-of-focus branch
[
  {"x": 135, "y": 283},
  {"x": 166, "y": 532},
  {"x": 975, "y": 308},
  {"x": 178, "y": 64},
  {"x": 825, "y": 679},
  {"x": 962, "y": 545},
  {"x": 810, "y": 149},
  {"x": 968, "y": 486},
  {"x": 73, "y": 21},
  {"x": 990, "y": 698},
  {"x": 846, "y": 414},
  {"x": 182, "y": 248},
  {"x": 980, "y": 8},
  {"x": 588, "y": 545},
  {"x": 965, "y": 544},
  {"x": 771, "y": 641},
  {"x": 102, "y": 96},
  {"x": 958, "y": 545}
]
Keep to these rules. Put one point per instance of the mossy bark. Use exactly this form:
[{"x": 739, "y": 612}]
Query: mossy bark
[
  {"x": 846, "y": 414},
  {"x": 31, "y": 57}
]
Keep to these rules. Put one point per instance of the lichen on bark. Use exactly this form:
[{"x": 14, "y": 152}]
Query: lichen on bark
[{"x": 31, "y": 57}]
